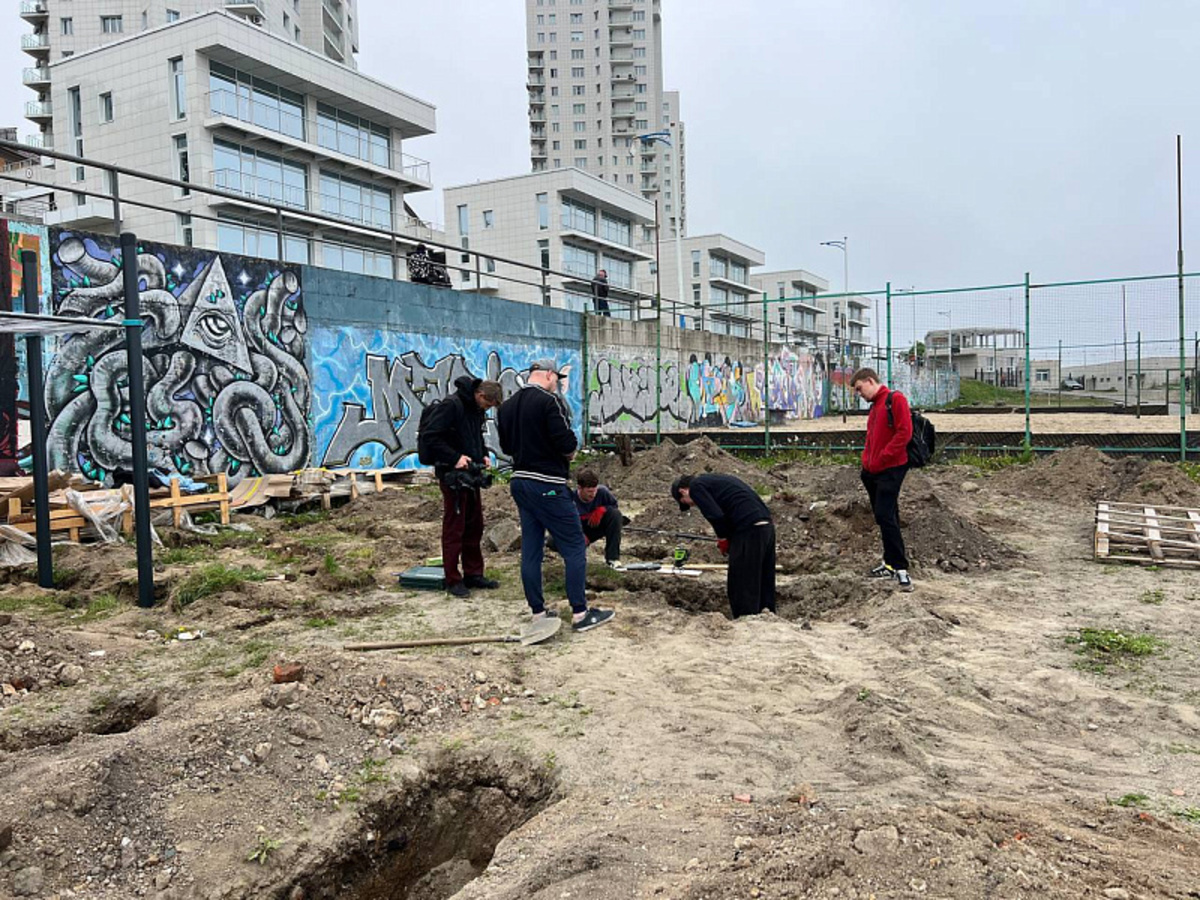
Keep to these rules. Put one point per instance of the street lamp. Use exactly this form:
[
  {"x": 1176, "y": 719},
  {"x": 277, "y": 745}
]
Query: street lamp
[
  {"x": 667, "y": 137},
  {"x": 843, "y": 245}
]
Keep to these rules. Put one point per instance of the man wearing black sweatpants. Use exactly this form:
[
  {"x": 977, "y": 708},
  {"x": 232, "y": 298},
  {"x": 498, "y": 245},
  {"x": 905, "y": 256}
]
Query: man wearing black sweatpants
[{"x": 743, "y": 523}]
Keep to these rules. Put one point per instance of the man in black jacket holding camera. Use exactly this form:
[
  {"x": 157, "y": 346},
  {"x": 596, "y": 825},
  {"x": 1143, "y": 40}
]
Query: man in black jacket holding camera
[{"x": 453, "y": 432}]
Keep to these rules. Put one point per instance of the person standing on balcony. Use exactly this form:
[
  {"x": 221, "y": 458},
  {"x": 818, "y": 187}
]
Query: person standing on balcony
[{"x": 600, "y": 293}]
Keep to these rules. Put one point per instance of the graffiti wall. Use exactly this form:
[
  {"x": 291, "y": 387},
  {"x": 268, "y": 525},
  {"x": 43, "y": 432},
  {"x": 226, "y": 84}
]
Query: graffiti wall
[
  {"x": 225, "y": 344},
  {"x": 924, "y": 387},
  {"x": 708, "y": 382},
  {"x": 17, "y": 237},
  {"x": 370, "y": 387}
]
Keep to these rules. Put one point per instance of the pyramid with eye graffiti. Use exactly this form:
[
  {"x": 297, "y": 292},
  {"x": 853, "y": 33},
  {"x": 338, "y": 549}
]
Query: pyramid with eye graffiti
[{"x": 214, "y": 327}]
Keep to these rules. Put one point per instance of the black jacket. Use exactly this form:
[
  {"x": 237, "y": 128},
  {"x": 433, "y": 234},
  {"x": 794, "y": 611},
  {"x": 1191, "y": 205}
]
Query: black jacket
[
  {"x": 535, "y": 430},
  {"x": 455, "y": 427},
  {"x": 728, "y": 503}
]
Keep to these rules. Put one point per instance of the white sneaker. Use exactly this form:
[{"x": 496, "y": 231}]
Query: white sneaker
[{"x": 614, "y": 564}]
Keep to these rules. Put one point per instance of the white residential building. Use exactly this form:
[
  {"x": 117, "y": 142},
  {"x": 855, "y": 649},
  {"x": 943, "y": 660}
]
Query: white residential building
[
  {"x": 595, "y": 83},
  {"x": 805, "y": 319},
  {"x": 719, "y": 294},
  {"x": 564, "y": 220},
  {"x": 236, "y": 102}
]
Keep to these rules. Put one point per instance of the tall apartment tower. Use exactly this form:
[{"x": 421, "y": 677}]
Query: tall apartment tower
[
  {"x": 259, "y": 98},
  {"x": 595, "y": 86}
]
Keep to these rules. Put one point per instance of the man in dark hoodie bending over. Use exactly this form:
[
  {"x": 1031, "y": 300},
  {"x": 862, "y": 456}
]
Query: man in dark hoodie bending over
[
  {"x": 747, "y": 535},
  {"x": 454, "y": 431}
]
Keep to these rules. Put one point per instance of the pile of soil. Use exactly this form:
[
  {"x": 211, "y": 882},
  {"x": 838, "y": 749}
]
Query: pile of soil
[
  {"x": 653, "y": 470},
  {"x": 1084, "y": 475}
]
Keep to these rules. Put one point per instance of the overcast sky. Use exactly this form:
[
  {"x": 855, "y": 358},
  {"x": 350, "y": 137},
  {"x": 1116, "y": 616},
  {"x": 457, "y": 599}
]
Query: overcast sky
[{"x": 954, "y": 143}]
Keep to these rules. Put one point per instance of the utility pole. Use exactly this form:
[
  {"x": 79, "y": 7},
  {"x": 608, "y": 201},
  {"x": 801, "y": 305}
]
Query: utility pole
[{"x": 1125, "y": 343}]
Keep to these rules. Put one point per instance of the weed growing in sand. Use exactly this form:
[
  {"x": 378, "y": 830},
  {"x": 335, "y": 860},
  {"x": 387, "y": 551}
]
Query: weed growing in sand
[
  {"x": 303, "y": 520},
  {"x": 1191, "y": 814},
  {"x": 372, "y": 772},
  {"x": 263, "y": 848},
  {"x": 1136, "y": 800},
  {"x": 1183, "y": 748},
  {"x": 99, "y": 607},
  {"x": 330, "y": 563},
  {"x": 1152, "y": 598},
  {"x": 213, "y": 579},
  {"x": 320, "y": 622},
  {"x": 24, "y": 603},
  {"x": 1191, "y": 470},
  {"x": 1101, "y": 647},
  {"x": 65, "y": 577},
  {"x": 184, "y": 556},
  {"x": 806, "y": 457}
]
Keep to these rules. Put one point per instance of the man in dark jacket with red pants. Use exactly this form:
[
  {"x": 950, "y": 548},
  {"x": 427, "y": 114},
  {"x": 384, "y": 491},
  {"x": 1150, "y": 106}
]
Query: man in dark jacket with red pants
[
  {"x": 884, "y": 465},
  {"x": 454, "y": 431}
]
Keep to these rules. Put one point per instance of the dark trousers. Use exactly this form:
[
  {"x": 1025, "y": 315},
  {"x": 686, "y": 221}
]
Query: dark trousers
[
  {"x": 751, "y": 580},
  {"x": 462, "y": 530},
  {"x": 884, "y": 490},
  {"x": 609, "y": 531},
  {"x": 549, "y": 507},
  {"x": 602, "y": 306}
]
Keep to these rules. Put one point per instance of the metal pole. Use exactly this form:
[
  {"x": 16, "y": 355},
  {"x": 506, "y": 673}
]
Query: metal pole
[
  {"x": 1060, "y": 373},
  {"x": 37, "y": 423},
  {"x": 675, "y": 151},
  {"x": 1139, "y": 374},
  {"x": 116, "y": 200},
  {"x": 766, "y": 386},
  {"x": 137, "y": 416},
  {"x": 1028, "y": 392},
  {"x": 586, "y": 381},
  {"x": 278, "y": 233},
  {"x": 657, "y": 327},
  {"x": 889, "y": 333},
  {"x": 1182, "y": 324},
  {"x": 1124, "y": 344}
]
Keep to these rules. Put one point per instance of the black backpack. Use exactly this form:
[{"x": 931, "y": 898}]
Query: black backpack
[
  {"x": 427, "y": 427},
  {"x": 924, "y": 436}
]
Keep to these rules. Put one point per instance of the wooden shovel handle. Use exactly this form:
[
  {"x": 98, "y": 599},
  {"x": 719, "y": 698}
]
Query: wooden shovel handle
[{"x": 434, "y": 642}]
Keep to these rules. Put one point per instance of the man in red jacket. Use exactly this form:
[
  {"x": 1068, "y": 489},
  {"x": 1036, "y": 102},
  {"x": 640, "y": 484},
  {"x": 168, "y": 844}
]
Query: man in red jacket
[{"x": 884, "y": 465}]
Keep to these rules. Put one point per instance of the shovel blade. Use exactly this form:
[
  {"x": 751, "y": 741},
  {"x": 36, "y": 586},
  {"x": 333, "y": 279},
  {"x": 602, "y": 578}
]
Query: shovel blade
[{"x": 539, "y": 630}]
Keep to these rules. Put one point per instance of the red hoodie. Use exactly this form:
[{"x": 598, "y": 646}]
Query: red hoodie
[{"x": 887, "y": 446}]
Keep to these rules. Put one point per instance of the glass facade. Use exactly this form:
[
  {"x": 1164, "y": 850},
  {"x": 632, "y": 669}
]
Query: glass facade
[
  {"x": 578, "y": 261},
  {"x": 244, "y": 239},
  {"x": 255, "y": 100},
  {"x": 346, "y": 133},
  {"x": 261, "y": 175},
  {"x": 357, "y": 201},
  {"x": 578, "y": 216},
  {"x": 360, "y": 260},
  {"x": 616, "y": 229}
]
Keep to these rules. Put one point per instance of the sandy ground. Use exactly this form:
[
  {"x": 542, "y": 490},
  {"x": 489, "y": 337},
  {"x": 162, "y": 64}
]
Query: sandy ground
[{"x": 949, "y": 743}]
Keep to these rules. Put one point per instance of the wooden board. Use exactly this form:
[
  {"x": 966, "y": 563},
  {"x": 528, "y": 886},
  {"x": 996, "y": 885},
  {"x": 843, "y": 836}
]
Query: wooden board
[{"x": 1143, "y": 534}]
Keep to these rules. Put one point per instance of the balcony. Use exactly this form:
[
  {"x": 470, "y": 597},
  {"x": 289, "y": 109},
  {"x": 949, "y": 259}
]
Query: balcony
[
  {"x": 39, "y": 109},
  {"x": 620, "y": 21},
  {"x": 535, "y": 79},
  {"x": 623, "y": 78},
  {"x": 537, "y": 61},
  {"x": 333, "y": 12},
  {"x": 262, "y": 120},
  {"x": 620, "y": 4},
  {"x": 35, "y": 43},
  {"x": 35, "y": 76},
  {"x": 539, "y": 150},
  {"x": 537, "y": 114},
  {"x": 618, "y": 37},
  {"x": 538, "y": 134},
  {"x": 246, "y": 7},
  {"x": 40, "y": 141},
  {"x": 34, "y": 9},
  {"x": 334, "y": 48}
]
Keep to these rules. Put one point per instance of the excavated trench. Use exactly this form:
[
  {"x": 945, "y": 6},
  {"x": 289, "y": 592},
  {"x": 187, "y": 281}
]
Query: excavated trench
[{"x": 428, "y": 839}]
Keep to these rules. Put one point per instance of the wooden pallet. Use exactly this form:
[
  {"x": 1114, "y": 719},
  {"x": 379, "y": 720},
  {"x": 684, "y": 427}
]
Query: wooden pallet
[{"x": 1148, "y": 535}]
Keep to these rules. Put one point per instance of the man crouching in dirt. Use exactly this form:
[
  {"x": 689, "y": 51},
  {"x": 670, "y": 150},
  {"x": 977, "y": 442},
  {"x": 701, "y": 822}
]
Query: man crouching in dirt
[
  {"x": 453, "y": 432},
  {"x": 884, "y": 465},
  {"x": 599, "y": 515},
  {"x": 747, "y": 536},
  {"x": 535, "y": 430}
]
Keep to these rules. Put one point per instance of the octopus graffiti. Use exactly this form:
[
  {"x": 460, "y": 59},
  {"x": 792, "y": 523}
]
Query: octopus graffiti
[
  {"x": 710, "y": 391},
  {"x": 371, "y": 387},
  {"x": 224, "y": 359}
]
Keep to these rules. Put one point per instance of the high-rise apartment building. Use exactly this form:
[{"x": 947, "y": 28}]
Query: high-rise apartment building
[
  {"x": 259, "y": 98},
  {"x": 595, "y": 88}
]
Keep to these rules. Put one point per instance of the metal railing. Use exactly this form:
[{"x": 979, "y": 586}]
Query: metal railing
[
  {"x": 35, "y": 75},
  {"x": 40, "y": 141},
  {"x": 257, "y": 4},
  {"x": 33, "y": 7},
  {"x": 335, "y": 11},
  {"x": 39, "y": 109},
  {"x": 35, "y": 42}
]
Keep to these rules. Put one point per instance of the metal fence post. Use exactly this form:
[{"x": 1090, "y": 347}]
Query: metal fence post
[
  {"x": 1182, "y": 324},
  {"x": 37, "y": 423},
  {"x": 1060, "y": 378},
  {"x": 1139, "y": 375},
  {"x": 115, "y": 188},
  {"x": 766, "y": 385},
  {"x": 889, "y": 334},
  {"x": 1028, "y": 390},
  {"x": 657, "y": 367},
  {"x": 279, "y": 232},
  {"x": 585, "y": 378},
  {"x": 137, "y": 416}
]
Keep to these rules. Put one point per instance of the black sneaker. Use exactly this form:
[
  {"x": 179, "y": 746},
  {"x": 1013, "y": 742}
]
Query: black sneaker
[
  {"x": 458, "y": 589},
  {"x": 594, "y": 618},
  {"x": 479, "y": 581},
  {"x": 903, "y": 581},
  {"x": 883, "y": 570}
]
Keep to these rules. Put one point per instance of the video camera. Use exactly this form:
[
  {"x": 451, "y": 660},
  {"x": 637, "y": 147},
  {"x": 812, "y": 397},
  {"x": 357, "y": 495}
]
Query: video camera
[{"x": 475, "y": 476}]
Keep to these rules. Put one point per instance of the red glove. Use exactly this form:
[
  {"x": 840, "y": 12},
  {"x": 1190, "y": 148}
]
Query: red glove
[
  {"x": 593, "y": 518},
  {"x": 723, "y": 546}
]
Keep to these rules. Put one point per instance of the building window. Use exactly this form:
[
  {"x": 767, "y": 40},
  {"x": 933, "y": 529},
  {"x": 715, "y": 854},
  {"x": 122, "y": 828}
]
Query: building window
[
  {"x": 264, "y": 176},
  {"x": 576, "y": 37},
  {"x": 241, "y": 96},
  {"x": 111, "y": 24},
  {"x": 639, "y": 52},
  {"x": 348, "y": 134},
  {"x": 356, "y": 259},
  {"x": 639, "y": 34},
  {"x": 543, "y": 211},
  {"x": 464, "y": 219},
  {"x": 615, "y": 229},
  {"x": 358, "y": 201},
  {"x": 578, "y": 261},
  {"x": 580, "y": 126},
  {"x": 578, "y": 216},
  {"x": 620, "y": 271},
  {"x": 184, "y": 233},
  {"x": 718, "y": 266},
  {"x": 145, "y": 20},
  {"x": 182, "y": 166},
  {"x": 580, "y": 162},
  {"x": 576, "y": 54},
  {"x": 172, "y": 15},
  {"x": 579, "y": 109},
  {"x": 68, "y": 25},
  {"x": 106, "y": 107},
  {"x": 695, "y": 263},
  {"x": 75, "y": 107},
  {"x": 489, "y": 219},
  {"x": 178, "y": 88},
  {"x": 581, "y": 144}
]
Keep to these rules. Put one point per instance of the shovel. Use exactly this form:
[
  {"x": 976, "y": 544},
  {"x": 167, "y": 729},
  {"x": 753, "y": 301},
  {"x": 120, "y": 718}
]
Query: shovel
[{"x": 533, "y": 633}]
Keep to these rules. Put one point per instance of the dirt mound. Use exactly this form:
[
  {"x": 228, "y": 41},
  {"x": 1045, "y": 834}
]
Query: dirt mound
[
  {"x": 653, "y": 470},
  {"x": 1084, "y": 475}
]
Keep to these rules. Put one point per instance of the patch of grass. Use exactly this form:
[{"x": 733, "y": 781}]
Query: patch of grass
[
  {"x": 995, "y": 463},
  {"x": 350, "y": 795},
  {"x": 213, "y": 579},
  {"x": 804, "y": 456},
  {"x": 1102, "y": 647},
  {"x": 65, "y": 577},
  {"x": 320, "y": 622},
  {"x": 864, "y": 694},
  {"x": 330, "y": 563},
  {"x": 1153, "y": 598},
  {"x": 184, "y": 556},
  {"x": 1183, "y": 748},
  {"x": 303, "y": 520},
  {"x": 372, "y": 772},
  {"x": 31, "y": 603},
  {"x": 100, "y": 606},
  {"x": 1191, "y": 470},
  {"x": 1135, "y": 800},
  {"x": 1191, "y": 814}
]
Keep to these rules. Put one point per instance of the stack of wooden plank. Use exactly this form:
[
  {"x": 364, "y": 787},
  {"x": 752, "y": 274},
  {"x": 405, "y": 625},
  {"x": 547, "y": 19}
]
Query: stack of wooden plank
[{"x": 1148, "y": 535}]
